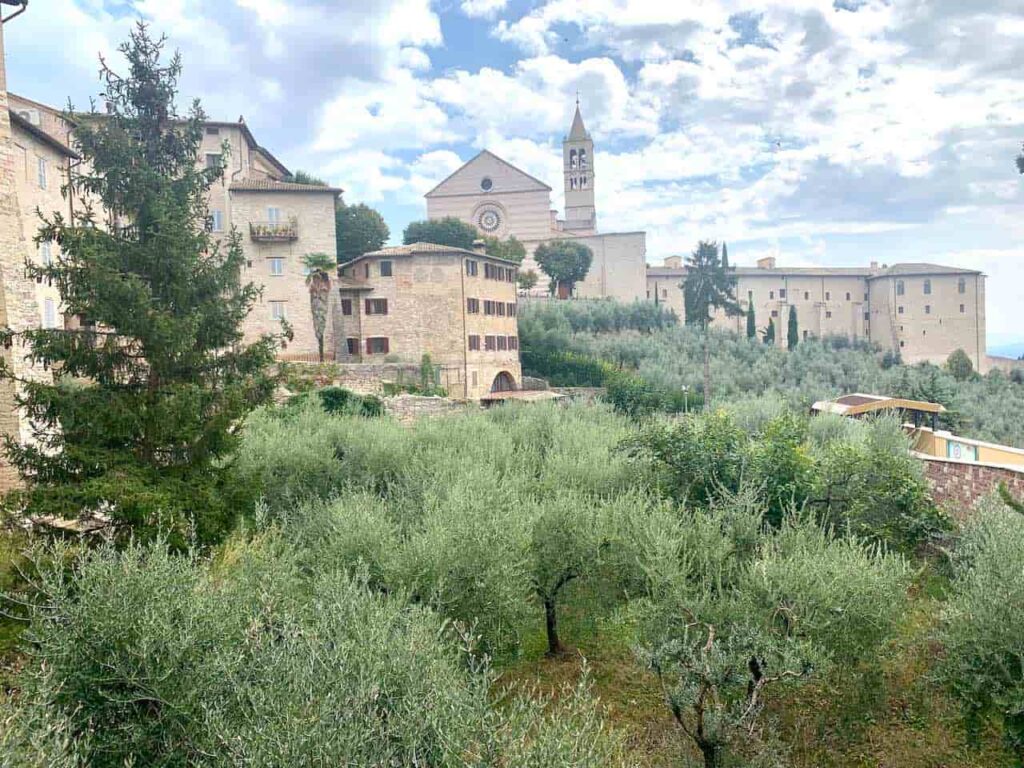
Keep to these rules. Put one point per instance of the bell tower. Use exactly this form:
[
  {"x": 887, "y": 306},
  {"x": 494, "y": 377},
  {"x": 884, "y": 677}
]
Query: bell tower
[{"x": 578, "y": 163}]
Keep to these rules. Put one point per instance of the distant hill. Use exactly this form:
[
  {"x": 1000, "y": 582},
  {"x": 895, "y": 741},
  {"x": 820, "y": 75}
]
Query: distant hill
[{"x": 1015, "y": 350}]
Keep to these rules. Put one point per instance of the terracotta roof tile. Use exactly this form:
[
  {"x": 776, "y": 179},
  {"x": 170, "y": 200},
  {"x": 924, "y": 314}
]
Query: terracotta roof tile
[{"x": 270, "y": 185}]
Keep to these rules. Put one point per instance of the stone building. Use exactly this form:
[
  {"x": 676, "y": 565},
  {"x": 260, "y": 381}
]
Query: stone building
[
  {"x": 280, "y": 222},
  {"x": 503, "y": 201},
  {"x": 456, "y": 305},
  {"x": 923, "y": 311}
]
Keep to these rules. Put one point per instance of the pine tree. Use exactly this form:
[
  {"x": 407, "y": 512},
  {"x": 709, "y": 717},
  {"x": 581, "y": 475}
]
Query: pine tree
[
  {"x": 793, "y": 331},
  {"x": 709, "y": 284},
  {"x": 751, "y": 322},
  {"x": 148, "y": 391}
]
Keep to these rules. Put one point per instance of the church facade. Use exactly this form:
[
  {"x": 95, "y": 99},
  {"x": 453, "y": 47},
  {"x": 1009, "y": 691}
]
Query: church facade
[{"x": 503, "y": 201}]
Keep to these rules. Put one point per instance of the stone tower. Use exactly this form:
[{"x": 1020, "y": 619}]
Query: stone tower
[{"x": 578, "y": 162}]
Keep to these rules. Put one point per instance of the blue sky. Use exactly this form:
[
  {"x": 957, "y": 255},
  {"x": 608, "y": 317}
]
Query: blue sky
[{"x": 830, "y": 132}]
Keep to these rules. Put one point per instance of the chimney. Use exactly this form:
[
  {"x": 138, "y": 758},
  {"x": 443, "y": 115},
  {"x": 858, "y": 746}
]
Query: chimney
[
  {"x": 768, "y": 262},
  {"x": 874, "y": 265},
  {"x": 479, "y": 246},
  {"x": 674, "y": 262}
]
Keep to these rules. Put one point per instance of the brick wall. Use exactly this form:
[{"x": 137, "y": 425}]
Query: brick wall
[{"x": 958, "y": 485}]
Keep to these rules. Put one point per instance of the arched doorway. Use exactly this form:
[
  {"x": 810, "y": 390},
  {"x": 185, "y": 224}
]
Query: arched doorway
[{"x": 503, "y": 382}]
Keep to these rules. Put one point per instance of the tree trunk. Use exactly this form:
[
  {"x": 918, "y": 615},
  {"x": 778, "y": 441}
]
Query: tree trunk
[
  {"x": 707, "y": 372},
  {"x": 555, "y": 647},
  {"x": 712, "y": 754}
]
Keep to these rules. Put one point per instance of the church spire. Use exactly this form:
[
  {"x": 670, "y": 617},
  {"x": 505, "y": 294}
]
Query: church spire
[{"x": 578, "y": 131}]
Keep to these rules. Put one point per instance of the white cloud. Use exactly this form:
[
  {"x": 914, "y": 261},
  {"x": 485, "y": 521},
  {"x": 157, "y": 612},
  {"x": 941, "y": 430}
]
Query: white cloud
[{"x": 485, "y": 9}]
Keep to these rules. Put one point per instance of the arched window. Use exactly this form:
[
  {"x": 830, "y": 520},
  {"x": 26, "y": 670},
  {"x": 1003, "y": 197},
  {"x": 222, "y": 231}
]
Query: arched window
[
  {"x": 572, "y": 182},
  {"x": 583, "y": 158},
  {"x": 573, "y": 159},
  {"x": 583, "y": 182}
]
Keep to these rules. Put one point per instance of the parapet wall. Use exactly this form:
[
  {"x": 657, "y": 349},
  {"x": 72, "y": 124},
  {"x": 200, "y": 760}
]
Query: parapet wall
[{"x": 958, "y": 485}]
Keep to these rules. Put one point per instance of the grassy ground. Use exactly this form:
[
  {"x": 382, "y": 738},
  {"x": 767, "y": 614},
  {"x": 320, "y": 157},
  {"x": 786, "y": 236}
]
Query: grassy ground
[{"x": 896, "y": 719}]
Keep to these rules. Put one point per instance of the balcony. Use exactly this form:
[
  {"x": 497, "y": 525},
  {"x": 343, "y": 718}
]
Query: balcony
[{"x": 274, "y": 231}]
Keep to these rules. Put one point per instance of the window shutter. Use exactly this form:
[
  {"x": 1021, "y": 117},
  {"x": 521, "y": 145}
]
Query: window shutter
[
  {"x": 369, "y": 347},
  {"x": 387, "y": 346}
]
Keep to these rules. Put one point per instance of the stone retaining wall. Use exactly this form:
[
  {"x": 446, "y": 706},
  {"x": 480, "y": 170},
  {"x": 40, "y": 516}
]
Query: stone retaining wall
[
  {"x": 958, "y": 485},
  {"x": 408, "y": 408}
]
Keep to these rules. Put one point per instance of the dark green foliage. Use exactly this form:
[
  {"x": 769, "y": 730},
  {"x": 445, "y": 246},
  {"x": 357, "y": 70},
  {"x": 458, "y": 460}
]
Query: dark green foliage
[
  {"x": 565, "y": 262},
  {"x": 635, "y": 397},
  {"x": 565, "y": 369},
  {"x": 960, "y": 365},
  {"x": 1008, "y": 499},
  {"x": 710, "y": 285},
  {"x": 769, "y": 333},
  {"x": 304, "y": 177},
  {"x": 751, "y": 322},
  {"x": 780, "y": 462},
  {"x": 527, "y": 280},
  {"x": 510, "y": 250},
  {"x": 793, "y": 329},
  {"x": 146, "y": 397},
  {"x": 338, "y": 400},
  {"x": 360, "y": 229},
  {"x": 447, "y": 231}
]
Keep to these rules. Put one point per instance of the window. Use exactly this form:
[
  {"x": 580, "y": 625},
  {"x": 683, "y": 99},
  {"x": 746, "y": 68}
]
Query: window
[
  {"x": 488, "y": 271},
  {"x": 899, "y": 309},
  {"x": 366, "y": 270},
  {"x": 473, "y": 306},
  {"x": 900, "y": 288},
  {"x": 961, "y": 285},
  {"x": 377, "y": 345},
  {"x": 500, "y": 306},
  {"x": 927, "y": 309},
  {"x": 664, "y": 293},
  {"x": 828, "y": 295},
  {"x": 212, "y": 130},
  {"x": 782, "y": 293},
  {"x": 513, "y": 342},
  {"x": 471, "y": 267},
  {"x": 353, "y": 346},
  {"x": 511, "y": 309},
  {"x": 346, "y": 306},
  {"x": 278, "y": 310},
  {"x": 902, "y": 344},
  {"x": 45, "y": 255},
  {"x": 277, "y": 267},
  {"x": 502, "y": 343},
  {"x": 212, "y": 159},
  {"x": 775, "y": 313},
  {"x": 486, "y": 184},
  {"x": 216, "y": 221},
  {"x": 771, "y": 294},
  {"x": 474, "y": 343},
  {"x": 865, "y": 297},
  {"x": 49, "y": 314},
  {"x": 41, "y": 171},
  {"x": 963, "y": 309},
  {"x": 805, "y": 335},
  {"x": 274, "y": 217},
  {"x": 867, "y": 316},
  {"x": 927, "y": 287},
  {"x": 385, "y": 269},
  {"x": 847, "y": 295},
  {"x": 828, "y": 315},
  {"x": 807, "y": 295},
  {"x": 490, "y": 343},
  {"x": 488, "y": 307},
  {"x": 376, "y": 306}
]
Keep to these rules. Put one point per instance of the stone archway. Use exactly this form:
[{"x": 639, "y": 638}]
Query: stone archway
[{"x": 503, "y": 382}]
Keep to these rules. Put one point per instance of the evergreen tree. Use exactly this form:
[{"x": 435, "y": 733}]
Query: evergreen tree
[
  {"x": 147, "y": 392},
  {"x": 793, "y": 331},
  {"x": 359, "y": 229},
  {"x": 305, "y": 177},
  {"x": 709, "y": 285},
  {"x": 959, "y": 364},
  {"x": 769, "y": 332},
  {"x": 751, "y": 322},
  {"x": 319, "y": 267}
]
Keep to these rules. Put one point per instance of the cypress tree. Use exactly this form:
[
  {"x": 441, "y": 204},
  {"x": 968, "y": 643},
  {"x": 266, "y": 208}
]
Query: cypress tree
[
  {"x": 148, "y": 390},
  {"x": 793, "y": 331},
  {"x": 751, "y": 322},
  {"x": 769, "y": 332}
]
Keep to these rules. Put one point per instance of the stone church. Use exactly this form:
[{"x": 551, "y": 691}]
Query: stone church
[{"x": 503, "y": 201}]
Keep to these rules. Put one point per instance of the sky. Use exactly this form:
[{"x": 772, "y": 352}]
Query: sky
[{"x": 823, "y": 132}]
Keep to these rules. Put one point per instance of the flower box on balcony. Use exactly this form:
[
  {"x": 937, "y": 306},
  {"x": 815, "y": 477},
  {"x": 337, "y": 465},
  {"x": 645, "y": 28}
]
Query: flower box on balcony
[{"x": 274, "y": 231}]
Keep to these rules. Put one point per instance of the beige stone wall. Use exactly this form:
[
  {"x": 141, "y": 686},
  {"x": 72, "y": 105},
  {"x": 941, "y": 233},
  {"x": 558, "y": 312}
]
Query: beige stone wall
[
  {"x": 314, "y": 214},
  {"x": 857, "y": 305},
  {"x": 928, "y": 327},
  {"x": 426, "y": 297}
]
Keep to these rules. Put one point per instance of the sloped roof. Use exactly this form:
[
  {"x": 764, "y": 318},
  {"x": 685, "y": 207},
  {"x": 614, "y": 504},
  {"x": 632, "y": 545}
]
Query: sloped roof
[
  {"x": 414, "y": 248},
  {"x": 578, "y": 131},
  {"x": 41, "y": 135},
  {"x": 486, "y": 153},
  {"x": 270, "y": 185},
  {"x": 924, "y": 268},
  {"x": 859, "y": 403}
]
